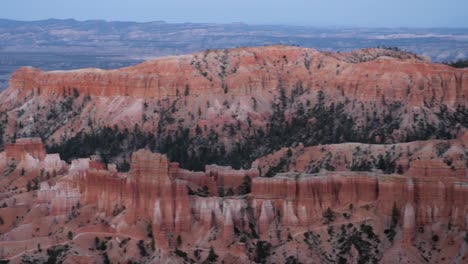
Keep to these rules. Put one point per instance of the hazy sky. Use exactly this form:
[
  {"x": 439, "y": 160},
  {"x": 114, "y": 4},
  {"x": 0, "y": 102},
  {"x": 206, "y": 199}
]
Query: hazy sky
[{"x": 363, "y": 13}]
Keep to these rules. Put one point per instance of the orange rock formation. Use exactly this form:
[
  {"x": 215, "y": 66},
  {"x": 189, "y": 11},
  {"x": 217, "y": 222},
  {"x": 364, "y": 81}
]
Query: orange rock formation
[{"x": 363, "y": 75}]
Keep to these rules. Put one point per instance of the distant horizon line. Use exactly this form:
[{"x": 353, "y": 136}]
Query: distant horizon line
[{"x": 227, "y": 23}]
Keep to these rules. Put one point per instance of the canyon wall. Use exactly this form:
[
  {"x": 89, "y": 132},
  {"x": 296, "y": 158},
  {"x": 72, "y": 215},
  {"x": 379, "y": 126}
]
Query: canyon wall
[{"x": 301, "y": 199}]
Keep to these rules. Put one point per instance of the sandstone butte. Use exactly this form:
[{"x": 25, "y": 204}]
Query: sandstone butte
[{"x": 328, "y": 203}]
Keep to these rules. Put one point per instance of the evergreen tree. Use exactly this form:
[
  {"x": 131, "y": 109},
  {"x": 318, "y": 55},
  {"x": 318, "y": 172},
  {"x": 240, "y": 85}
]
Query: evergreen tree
[{"x": 328, "y": 216}]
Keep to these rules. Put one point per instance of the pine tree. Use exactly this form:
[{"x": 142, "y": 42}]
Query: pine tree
[
  {"x": 329, "y": 216},
  {"x": 212, "y": 257}
]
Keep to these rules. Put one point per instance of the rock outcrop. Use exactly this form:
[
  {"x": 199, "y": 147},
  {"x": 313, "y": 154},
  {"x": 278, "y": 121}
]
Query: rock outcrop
[
  {"x": 146, "y": 192},
  {"x": 25, "y": 148}
]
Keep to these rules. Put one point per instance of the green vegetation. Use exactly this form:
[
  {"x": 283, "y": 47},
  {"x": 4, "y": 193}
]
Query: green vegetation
[
  {"x": 179, "y": 241},
  {"x": 202, "y": 192},
  {"x": 463, "y": 63},
  {"x": 2, "y": 131},
  {"x": 389, "y": 48},
  {"x": 262, "y": 251},
  {"x": 279, "y": 167},
  {"x": 292, "y": 121},
  {"x": 390, "y": 232},
  {"x": 245, "y": 186},
  {"x": 105, "y": 258},
  {"x": 197, "y": 254},
  {"x": 182, "y": 254},
  {"x": 342, "y": 241},
  {"x": 11, "y": 167},
  {"x": 221, "y": 191},
  {"x": 142, "y": 248},
  {"x": 212, "y": 256},
  {"x": 96, "y": 242},
  {"x": 149, "y": 230},
  {"x": 32, "y": 186},
  {"x": 292, "y": 260},
  {"x": 100, "y": 245},
  {"x": 56, "y": 254},
  {"x": 328, "y": 216},
  {"x": 109, "y": 142}
]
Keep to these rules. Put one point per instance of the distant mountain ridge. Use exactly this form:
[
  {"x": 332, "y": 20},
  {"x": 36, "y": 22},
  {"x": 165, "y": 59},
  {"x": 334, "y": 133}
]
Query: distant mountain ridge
[
  {"x": 160, "y": 38},
  {"x": 66, "y": 44}
]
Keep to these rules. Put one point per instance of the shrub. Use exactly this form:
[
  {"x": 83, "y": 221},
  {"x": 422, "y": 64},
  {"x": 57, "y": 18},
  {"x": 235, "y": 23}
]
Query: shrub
[
  {"x": 328, "y": 216},
  {"x": 179, "y": 241},
  {"x": 54, "y": 253},
  {"x": 391, "y": 233},
  {"x": 459, "y": 63},
  {"x": 142, "y": 248},
  {"x": 262, "y": 251},
  {"x": 180, "y": 253},
  {"x": 212, "y": 257},
  {"x": 245, "y": 186}
]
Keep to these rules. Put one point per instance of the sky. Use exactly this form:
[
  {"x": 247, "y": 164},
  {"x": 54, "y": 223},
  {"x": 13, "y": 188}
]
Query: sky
[{"x": 347, "y": 13}]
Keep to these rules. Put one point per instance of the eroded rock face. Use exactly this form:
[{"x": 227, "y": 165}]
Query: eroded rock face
[
  {"x": 255, "y": 71},
  {"x": 146, "y": 192},
  {"x": 24, "y": 148},
  {"x": 301, "y": 199}
]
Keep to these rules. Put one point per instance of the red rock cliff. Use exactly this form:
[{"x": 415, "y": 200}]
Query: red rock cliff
[
  {"x": 146, "y": 192},
  {"x": 365, "y": 75},
  {"x": 25, "y": 146}
]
